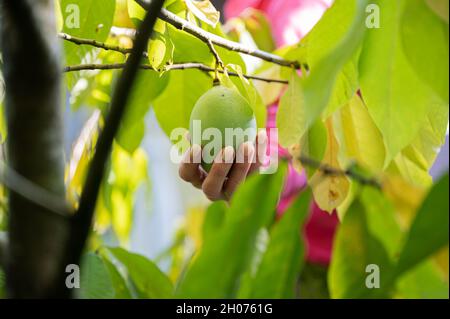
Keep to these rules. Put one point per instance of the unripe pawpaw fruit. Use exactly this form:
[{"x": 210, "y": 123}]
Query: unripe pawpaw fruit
[{"x": 227, "y": 113}]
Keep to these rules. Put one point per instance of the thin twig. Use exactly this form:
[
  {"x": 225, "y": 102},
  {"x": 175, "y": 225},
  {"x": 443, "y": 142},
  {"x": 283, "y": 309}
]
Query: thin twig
[
  {"x": 205, "y": 36},
  {"x": 219, "y": 61},
  {"x": 172, "y": 67},
  {"x": 32, "y": 192},
  {"x": 333, "y": 171},
  {"x": 97, "y": 44}
]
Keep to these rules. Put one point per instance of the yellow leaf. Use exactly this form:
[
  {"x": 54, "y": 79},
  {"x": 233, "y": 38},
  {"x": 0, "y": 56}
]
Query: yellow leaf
[
  {"x": 270, "y": 92},
  {"x": 359, "y": 139},
  {"x": 441, "y": 259},
  {"x": 291, "y": 113},
  {"x": 204, "y": 10},
  {"x": 405, "y": 197},
  {"x": 330, "y": 191}
]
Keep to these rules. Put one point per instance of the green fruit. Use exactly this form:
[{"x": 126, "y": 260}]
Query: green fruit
[{"x": 226, "y": 119}]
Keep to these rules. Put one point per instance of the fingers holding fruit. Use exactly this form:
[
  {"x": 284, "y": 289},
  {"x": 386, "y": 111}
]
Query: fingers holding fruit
[
  {"x": 190, "y": 170},
  {"x": 223, "y": 127}
]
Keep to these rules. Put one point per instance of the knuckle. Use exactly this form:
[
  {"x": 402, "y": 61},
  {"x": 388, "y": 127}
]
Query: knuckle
[
  {"x": 184, "y": 173},
  {"x": 210, "y": 192}
]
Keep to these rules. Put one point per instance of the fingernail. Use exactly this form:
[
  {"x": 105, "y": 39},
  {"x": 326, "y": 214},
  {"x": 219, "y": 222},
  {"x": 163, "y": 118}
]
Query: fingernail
[
  {"x": 187, "y": 136},
  {"x": 196, "y": 153},
  {"x": 262, "y": 137},
  {"x": 250, "y": 152},
  {"x": 228, "y": 154}
]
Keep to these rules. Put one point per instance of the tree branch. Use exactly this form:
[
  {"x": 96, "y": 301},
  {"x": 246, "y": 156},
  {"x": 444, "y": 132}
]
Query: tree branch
[
  {"x": 216, "y": 55},
  {"x": 35, "y": 148},
  {"x": 207, "y": 37},
  {"x": 172, "y": 67},
  {"x": 83, "y": 218},
  {"x": 97, "y": 44},
  {"x": 332, "y": 171}
]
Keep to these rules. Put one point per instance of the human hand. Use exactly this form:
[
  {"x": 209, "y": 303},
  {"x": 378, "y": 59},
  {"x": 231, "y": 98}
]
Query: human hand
[{"x": 226, "y": 173}]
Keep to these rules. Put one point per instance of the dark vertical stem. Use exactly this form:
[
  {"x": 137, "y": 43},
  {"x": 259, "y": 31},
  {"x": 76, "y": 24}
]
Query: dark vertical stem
[{"x": 83, "y": 218}]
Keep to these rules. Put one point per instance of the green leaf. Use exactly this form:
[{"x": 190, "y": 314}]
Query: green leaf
[
  {"x": 359, "y": 138},
  {"x": 320, "y": 42},
  {"x": 355, "y": 247},
  {"x": 279, "y": 269},
  {"x": 313, "y": 144},
  {"x": 249, "y": 92},
  {"x": 148, "y": 86},
  {"x": 319, "y": 85},
  {"x": 118, "y": 282},
  {"x": 429, "y": 230},
  {"x": 214, "y": 218},
  {"x": 399, "y": 103},
  {"x": 188, "y": 48},
  {"x": 232, "y": 246},
  {"x": 259, "y": 27},
  {"x": 146, "y": 276},
  {"x": 95, "y": 21},
  {"x": 173, "y": 107},
  {"x": 425, "y": 41},
  {"x": 291, "y": 113},
  {"x": 128, "y": 172},
  {"x": 204, "y": 10},
  {"x": 95, "y": 280},
  {"x": 422, "y": 282},
  {"x": 160, "y": 47},
  {"x": 135, "y": 12}
]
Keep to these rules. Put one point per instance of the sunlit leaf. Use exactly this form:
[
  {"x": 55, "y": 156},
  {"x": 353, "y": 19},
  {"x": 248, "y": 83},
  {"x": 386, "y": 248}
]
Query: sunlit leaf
[
  {"x": 173, "y": 107},
  {"x": 258, "y": 25},
  {"x": 270, "y": 92},
  {"x": 330, "y": 190},
  {"x": 160, "y": 47},
  {"x": 423, "y": 282},
  {"x": 319, "y": 85},
  {"x": 204, "y": 10},
  {"x": 135, "y": 11},
  {"x": 148, "y": 86},
  {"x": 188, "y": 48},
  {"x": 313, "y": 145},
  {"x": 425, "y": 40},
  {"x": 359, "y": 139},
  {"x": 249, "y": 92},
  {"x": 322, "y": 40},
  {"x": 93, "y": 22},
  {"x": 291, "y": 113},
  {"x": 399, "y": 103}
]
